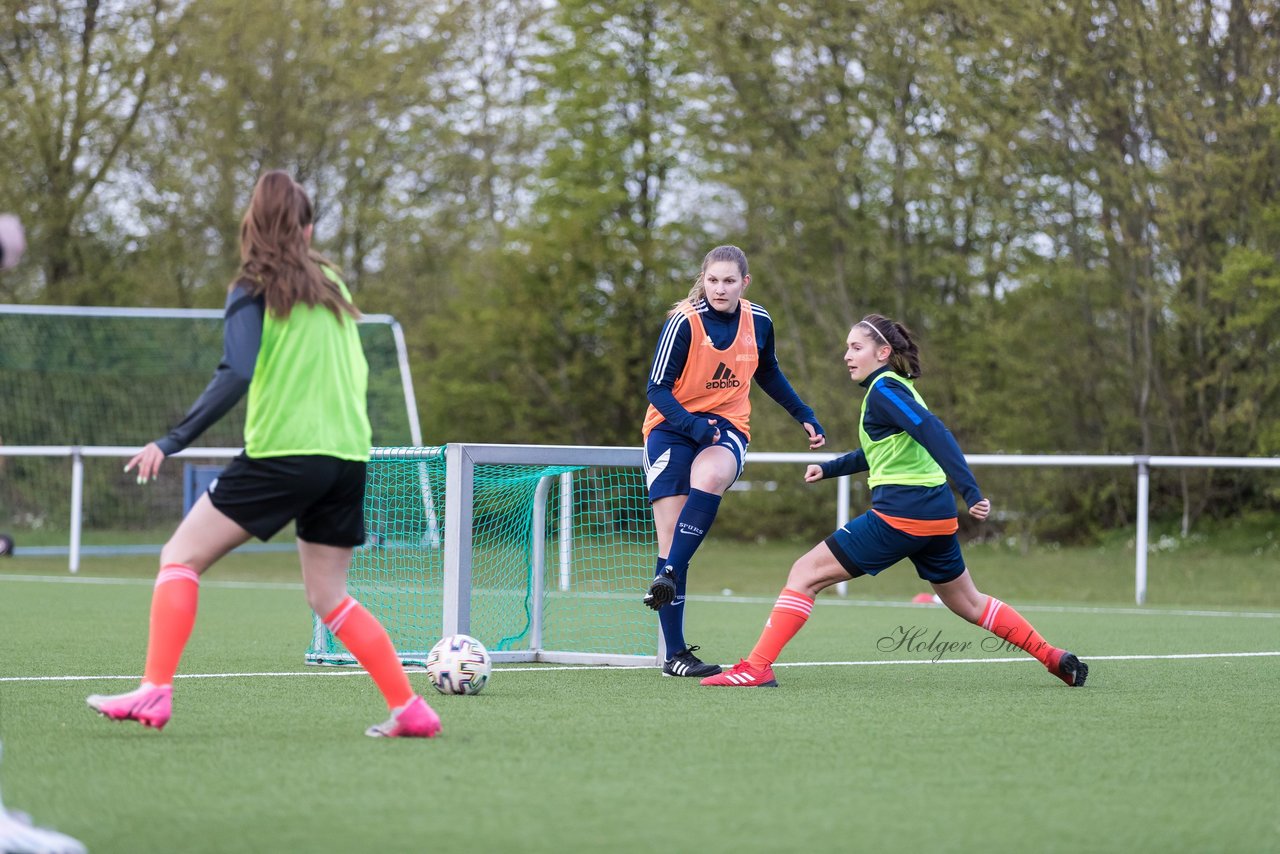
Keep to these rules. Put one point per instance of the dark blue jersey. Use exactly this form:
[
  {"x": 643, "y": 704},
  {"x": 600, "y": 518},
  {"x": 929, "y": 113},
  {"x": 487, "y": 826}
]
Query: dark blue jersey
[
  {"x": 892, "y": 408},
  {"x": 241, "y": 339},
  {"x": 673, "y": 351}
]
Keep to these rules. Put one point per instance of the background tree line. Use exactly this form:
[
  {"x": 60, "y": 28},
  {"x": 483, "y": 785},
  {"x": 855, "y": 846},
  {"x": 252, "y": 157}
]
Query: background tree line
[{"x": 1072, "y": 202}]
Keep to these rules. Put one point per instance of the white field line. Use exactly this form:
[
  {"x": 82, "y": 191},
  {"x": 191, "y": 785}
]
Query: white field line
[
  {"x": 355, "y": 671},
  {"x": 748, "y": 600}
]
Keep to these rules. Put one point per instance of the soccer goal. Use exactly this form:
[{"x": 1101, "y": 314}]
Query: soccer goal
[
  {"x": 83, "y": 387},
  {"x": 544, "y": 556}
]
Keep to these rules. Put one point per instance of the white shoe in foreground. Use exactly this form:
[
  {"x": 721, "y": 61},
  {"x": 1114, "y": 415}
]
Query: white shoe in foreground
[{"x": 19, "y": 836}]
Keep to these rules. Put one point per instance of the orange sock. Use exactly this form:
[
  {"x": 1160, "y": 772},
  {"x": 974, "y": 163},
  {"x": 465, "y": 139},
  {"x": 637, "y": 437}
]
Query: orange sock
[
  {"x": 1010, "y": 626},
  {"x": 361, "y": 633},
  {"x": 173, "y": 614},
  {"x": 789, "y": 615}
]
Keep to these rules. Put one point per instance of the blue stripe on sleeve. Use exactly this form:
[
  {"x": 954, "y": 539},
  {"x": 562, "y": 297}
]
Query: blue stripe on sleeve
[{"x": 900, "y": 403}]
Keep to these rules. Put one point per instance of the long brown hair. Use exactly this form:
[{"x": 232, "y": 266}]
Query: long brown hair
[{"x": 274, "y": 255}]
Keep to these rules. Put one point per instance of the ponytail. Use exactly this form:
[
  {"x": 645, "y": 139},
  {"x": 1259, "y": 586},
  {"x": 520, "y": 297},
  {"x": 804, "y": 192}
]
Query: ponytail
[{"x": 905, "y": 358}]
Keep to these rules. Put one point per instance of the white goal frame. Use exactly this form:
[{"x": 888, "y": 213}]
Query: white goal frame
[{"x": 460, "y": 465}]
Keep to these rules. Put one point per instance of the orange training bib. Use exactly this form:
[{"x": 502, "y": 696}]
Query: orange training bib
[{"x": 714, "y": 380}]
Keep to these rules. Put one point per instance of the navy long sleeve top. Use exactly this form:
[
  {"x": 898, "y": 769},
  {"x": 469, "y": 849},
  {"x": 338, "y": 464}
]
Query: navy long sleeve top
[
  {"x": 892, "y": 408},
  {"x": 241, "y": 339},
  {"x": 673, "y": 351}
]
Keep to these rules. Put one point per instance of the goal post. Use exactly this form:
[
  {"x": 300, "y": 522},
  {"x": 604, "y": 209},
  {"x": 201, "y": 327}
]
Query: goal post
[
  {"x": 545, "y": 553},
  {"x": 109, "y": 377},
  {"x": 81, "y": 370}
]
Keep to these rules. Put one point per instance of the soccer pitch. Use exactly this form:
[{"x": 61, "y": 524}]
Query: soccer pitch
[{"x": 895, "y": 728}]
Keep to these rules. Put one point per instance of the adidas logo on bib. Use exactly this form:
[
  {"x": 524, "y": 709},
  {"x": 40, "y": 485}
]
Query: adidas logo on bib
[{"x": 723, "y": 378}]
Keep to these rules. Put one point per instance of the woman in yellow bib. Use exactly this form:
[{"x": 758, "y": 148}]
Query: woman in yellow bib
[
  {"x": 714, "y": 345},
  {"x": 909, "y": 455},
  {"x": 290, "y": 342}
]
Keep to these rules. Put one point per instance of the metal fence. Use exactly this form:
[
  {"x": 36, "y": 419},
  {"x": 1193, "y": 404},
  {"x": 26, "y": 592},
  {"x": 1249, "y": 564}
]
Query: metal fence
[{"x": 1141, "y": 465}]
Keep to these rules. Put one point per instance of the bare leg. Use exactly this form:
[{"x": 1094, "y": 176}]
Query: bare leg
[
  {"x": 202, "y": 538},
  {"x": 324, "y": 575},
  {"x": 682, "y": 523},
  {"x": 817, "y": 570},
  {"x": 962, "y": 597},
  {"x": 714, "y": 470},
  {"x": 665, "y": 513}
]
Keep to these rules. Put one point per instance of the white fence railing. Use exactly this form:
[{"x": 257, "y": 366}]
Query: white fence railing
[{"x": 1141, "y": 464}]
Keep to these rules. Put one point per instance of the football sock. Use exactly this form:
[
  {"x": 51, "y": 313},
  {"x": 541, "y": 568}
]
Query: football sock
[
  {"x": 691, "y": 529},
  {"x": 789, "y": 615},
  {"x": 173, "y": 614},
  {"x": 362, "y": 634},
  {"x": 671, "y": 615},
  {"x": 1010, "y": 626}
]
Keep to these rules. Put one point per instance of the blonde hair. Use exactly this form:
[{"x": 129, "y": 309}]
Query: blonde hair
[{"x": 720, "y": 253}]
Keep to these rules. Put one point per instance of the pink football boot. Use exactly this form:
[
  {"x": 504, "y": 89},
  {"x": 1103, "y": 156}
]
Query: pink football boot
[
  {"x": 149, "y": 705},
  {"x": 415, "y": 719}
]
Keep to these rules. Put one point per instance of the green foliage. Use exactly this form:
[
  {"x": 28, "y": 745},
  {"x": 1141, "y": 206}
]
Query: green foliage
[{"x": 1072, "y": 204}]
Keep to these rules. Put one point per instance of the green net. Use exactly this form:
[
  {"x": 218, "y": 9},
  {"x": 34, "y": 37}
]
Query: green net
[
  {"x": 122, "y": 377},
  {"x": 568, "y": 578},
  {"x": 125, "y": 379}
]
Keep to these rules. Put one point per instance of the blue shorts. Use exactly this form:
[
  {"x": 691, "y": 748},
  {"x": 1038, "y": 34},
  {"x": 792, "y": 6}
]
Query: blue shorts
[
  {"x": 868, "y": 544},
  {"x": 669, "y": 454}
]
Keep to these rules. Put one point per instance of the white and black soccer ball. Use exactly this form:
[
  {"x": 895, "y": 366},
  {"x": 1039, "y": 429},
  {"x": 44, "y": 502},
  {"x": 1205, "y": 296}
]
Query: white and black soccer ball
[{"x": 459, "y": 664}]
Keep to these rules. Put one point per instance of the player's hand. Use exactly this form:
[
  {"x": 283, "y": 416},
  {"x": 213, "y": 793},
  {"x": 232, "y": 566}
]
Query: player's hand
[
  {"x": 813, "y": 474},
  {"x": 816, "y": 440},
  {"x": 981, "y": 510},
  {"x": 147, "y": 461},
  {"x": 705, "y": 432}
]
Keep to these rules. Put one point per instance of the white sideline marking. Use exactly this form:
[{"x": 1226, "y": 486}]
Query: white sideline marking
[
  {"x": 355, "y": 671},
  {"x": 824, "y": 601},
  {"x": 1029, "y": 659}
]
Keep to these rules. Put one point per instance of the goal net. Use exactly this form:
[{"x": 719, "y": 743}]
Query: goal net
[
  {"x": 544, "y": 554},
  {"x": 121, "y": 377}
]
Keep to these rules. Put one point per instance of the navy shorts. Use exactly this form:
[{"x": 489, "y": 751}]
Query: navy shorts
[
  {"x": 325, "y": 495},
  {"x": 868, "y": 544},
  {"x": 669, "y": 453}
]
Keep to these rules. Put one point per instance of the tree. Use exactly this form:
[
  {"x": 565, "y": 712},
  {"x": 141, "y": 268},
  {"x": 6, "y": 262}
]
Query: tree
[
  {"x": 78, "y": 79},
  {"x": 568, "y": 335}
]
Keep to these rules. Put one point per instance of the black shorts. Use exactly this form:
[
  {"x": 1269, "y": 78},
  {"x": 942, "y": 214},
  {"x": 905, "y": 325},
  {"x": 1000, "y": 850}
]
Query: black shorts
[{"x": 324, "y": 494}]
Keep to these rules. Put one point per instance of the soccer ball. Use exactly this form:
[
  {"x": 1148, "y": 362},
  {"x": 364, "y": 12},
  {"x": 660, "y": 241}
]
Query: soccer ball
[{"x": 459, "y": 664}]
